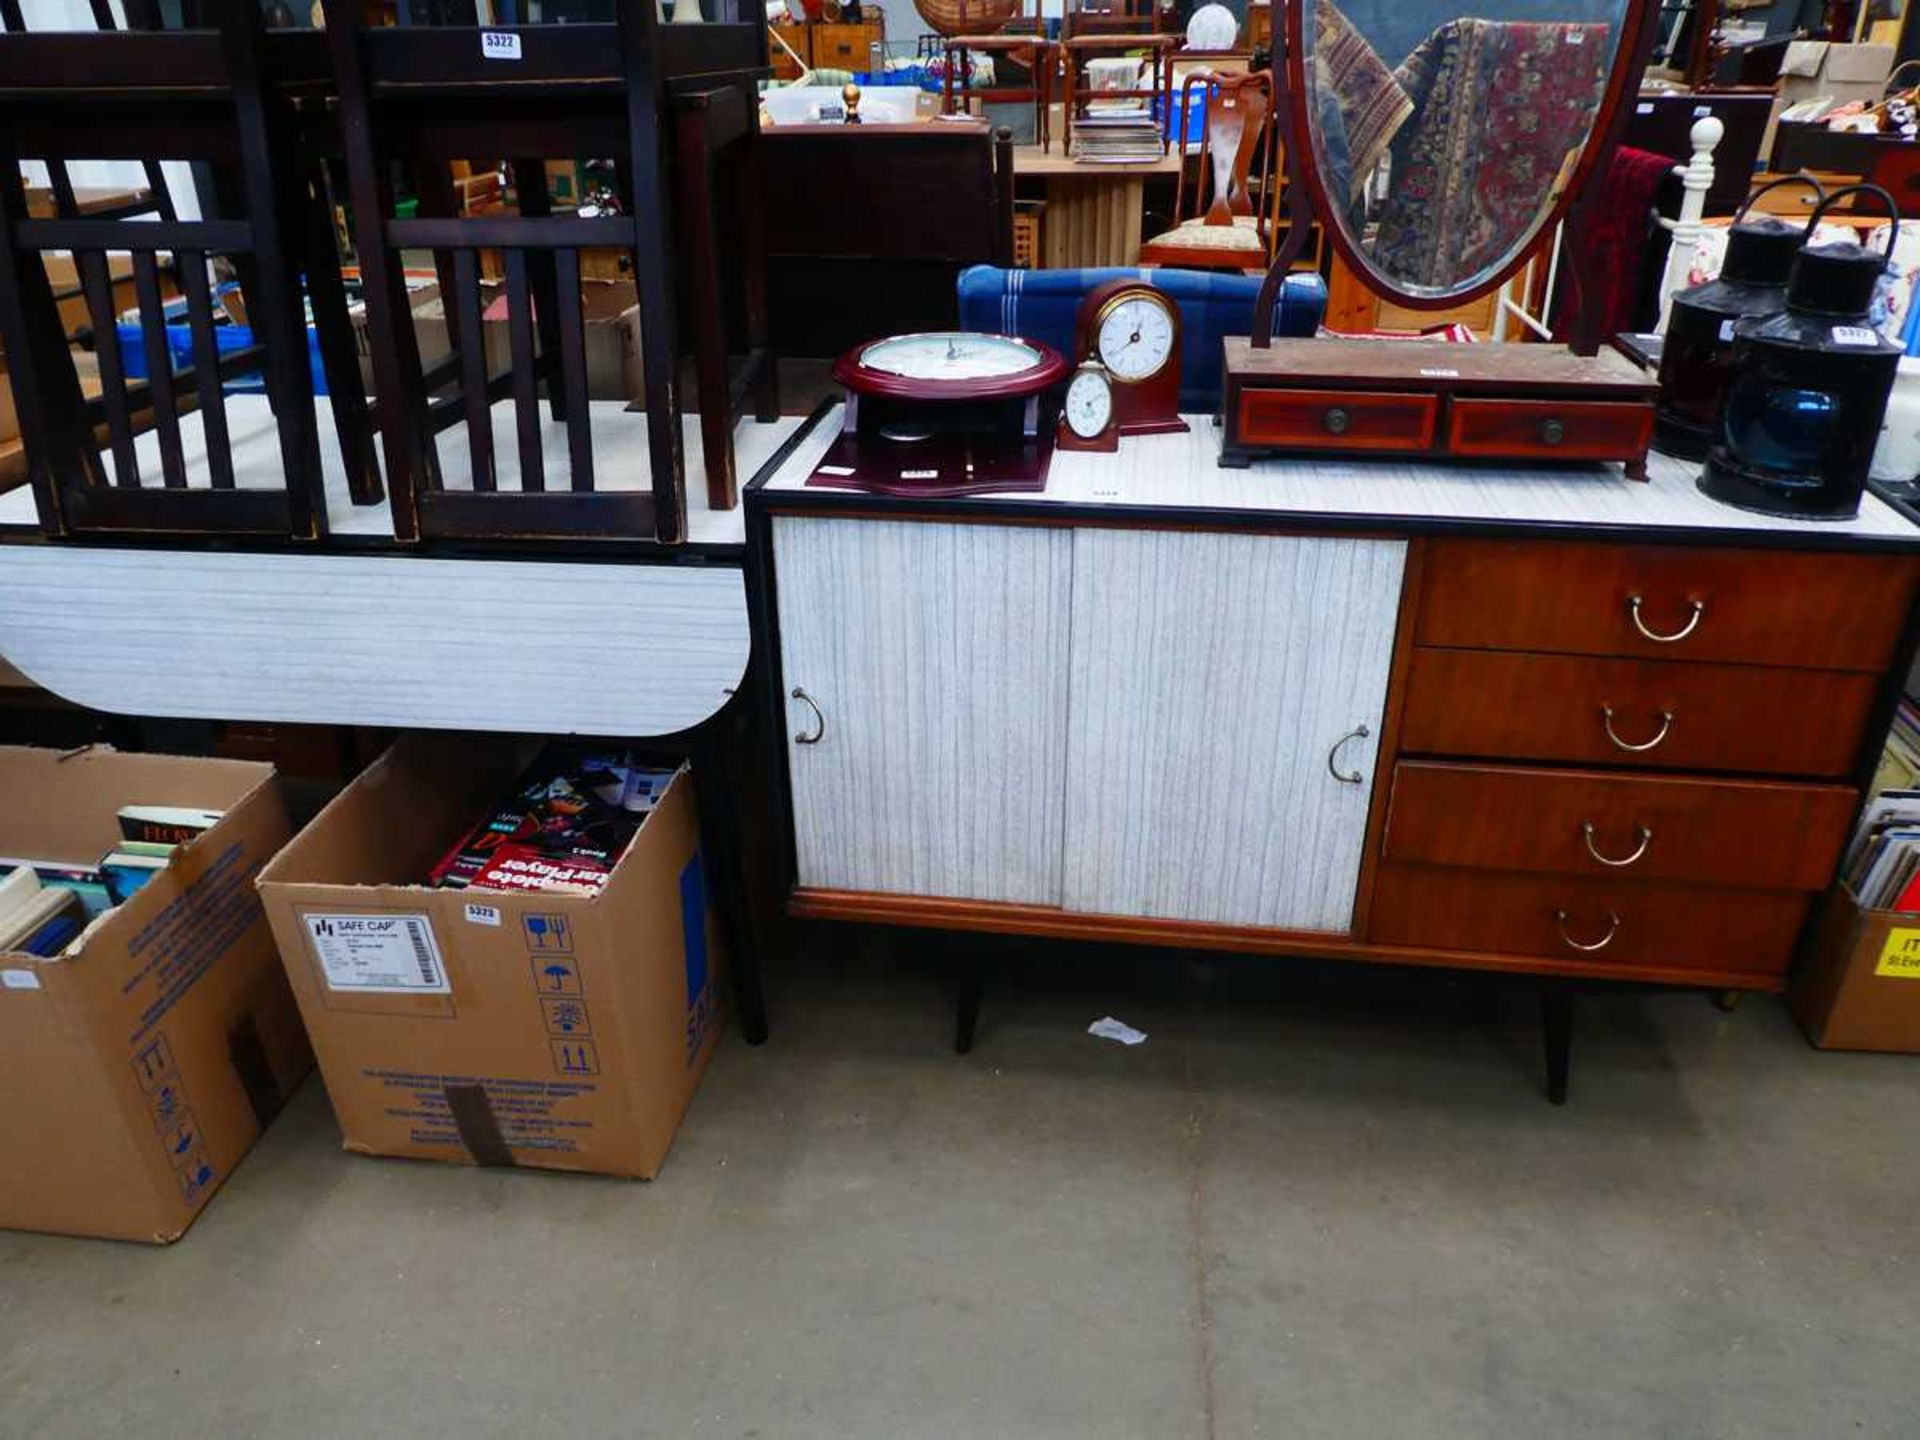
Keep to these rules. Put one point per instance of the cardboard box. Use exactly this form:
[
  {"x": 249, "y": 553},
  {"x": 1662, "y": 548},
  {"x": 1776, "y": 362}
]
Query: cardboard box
[
  {"x": 1816, "y": 69},
  {"x": 612, "y": 315},
  {"x": 559, "y": 1031},
  {"x": 140, "y": 1066},
  {"x": 1859, "y": 988}
]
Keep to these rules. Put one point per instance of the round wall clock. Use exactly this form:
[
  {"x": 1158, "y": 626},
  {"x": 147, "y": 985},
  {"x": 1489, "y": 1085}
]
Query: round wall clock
[
  {"x": 1133, "y": 330},
  {"x": 947, "y": 412},
  {"x": 950, "y": 365}
]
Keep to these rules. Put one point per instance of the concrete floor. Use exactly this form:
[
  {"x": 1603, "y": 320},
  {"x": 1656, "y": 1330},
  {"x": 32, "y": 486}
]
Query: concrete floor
[{"x": 1316, "y": 1203}]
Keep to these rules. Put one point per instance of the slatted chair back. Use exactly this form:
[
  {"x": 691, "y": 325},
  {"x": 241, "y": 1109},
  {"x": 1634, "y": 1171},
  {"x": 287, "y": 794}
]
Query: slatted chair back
[
  {"x": 146, "y": 94},
  {"x": 415, "y": 98}
]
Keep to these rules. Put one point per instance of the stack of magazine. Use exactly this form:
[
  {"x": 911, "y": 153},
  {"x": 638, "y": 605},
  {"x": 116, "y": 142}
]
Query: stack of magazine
[
  {"x": 1115, "y": 133},
  {"x": 1882, "y": 865},
  {"x": 1900, "y": 761},
  {"x": 569, "y": 819}
]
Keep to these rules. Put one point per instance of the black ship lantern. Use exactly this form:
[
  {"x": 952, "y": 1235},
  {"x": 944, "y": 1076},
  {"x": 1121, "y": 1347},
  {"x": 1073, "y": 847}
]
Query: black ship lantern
[
  {"x": 1810, "y": 386},
  {"x": 1696, "y": 360}
]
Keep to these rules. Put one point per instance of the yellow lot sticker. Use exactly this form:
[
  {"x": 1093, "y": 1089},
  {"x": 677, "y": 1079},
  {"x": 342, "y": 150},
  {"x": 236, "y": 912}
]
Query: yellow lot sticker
[{"x": 1900, "y": 956}]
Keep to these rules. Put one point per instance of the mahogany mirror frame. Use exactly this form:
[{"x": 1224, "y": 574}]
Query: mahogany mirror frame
[{"x": 1306, "y": 191}]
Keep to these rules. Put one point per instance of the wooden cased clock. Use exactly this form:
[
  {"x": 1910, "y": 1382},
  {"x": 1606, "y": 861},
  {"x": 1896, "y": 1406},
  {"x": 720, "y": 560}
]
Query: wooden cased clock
[
  {"x": 1132, "y": 330},
  {"x": 1086, "y": 412}
]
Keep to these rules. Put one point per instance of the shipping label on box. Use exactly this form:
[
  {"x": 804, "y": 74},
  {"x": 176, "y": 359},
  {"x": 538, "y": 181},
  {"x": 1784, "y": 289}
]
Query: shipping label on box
[
  {"x": 377, "y": 952},
  {"x": 1900, "y": 955}
]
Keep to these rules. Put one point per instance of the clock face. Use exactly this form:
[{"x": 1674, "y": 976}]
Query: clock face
[
  {"x": 1136, "y": 336},
  {"x": 950, "y": 355},
  {"x": 1089, "y": 407}
]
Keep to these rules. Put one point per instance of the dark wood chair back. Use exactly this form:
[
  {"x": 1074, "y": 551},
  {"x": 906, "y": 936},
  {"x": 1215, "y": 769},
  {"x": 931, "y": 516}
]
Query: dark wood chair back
[
  {"x": 418, "y": 97},
  {"x": 148, "y": 95}
]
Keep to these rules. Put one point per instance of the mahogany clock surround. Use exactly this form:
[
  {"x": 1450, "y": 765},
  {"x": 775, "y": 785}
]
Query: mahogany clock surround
[{"x": 1150, "y": 405}]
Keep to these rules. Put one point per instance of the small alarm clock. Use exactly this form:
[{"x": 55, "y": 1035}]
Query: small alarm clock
[
  {"x": 1133, "y": 331},
  {"x": 1086, "y": 415}
]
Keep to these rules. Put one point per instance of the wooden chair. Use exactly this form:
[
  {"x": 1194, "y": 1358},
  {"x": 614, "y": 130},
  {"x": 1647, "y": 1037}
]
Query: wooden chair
[
  {"x": 1023, "y": 39},
  {"x": 1102, "y": 29},
  {"x": 667, "y": 103},
  {"x": 1232, "y": 190},
  {"x": 147, "y": 95}
]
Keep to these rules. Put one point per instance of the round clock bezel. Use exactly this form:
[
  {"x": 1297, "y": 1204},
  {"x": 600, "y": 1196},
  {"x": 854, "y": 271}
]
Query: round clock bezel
[
  {"x": 1138, "y": 290},
  {"x": 1090, "y": 370},
  {"x": 851, "y": 371}
]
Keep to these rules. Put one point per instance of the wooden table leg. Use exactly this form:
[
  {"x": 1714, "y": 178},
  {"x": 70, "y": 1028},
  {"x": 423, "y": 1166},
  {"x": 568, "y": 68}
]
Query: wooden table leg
[{"x": 1093, "y": 220}]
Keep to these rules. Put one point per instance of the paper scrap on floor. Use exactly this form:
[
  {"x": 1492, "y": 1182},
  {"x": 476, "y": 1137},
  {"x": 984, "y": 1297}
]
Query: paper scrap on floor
[{"x": 1108, "y": 1028}]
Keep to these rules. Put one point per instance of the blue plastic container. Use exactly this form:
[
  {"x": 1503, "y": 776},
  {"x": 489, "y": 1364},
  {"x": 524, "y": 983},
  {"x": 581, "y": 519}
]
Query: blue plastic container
[{"x": 226, "y": 338}]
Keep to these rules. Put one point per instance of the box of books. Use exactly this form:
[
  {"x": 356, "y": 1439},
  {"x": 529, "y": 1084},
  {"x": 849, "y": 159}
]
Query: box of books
[
  {"x": 1858, "y": 987},
  {"x": 147, "y": 1030},
  {"x": 505, "y": 953}
]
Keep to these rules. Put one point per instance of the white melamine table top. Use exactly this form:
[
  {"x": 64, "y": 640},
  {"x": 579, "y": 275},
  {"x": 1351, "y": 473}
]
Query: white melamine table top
[
  {"x": 339, "y": 636},
  {"x": 1182, "y": 471}
]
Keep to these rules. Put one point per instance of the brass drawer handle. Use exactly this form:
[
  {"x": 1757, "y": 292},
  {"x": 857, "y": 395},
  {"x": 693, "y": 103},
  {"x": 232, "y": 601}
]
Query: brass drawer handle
[
  {"x": 1337, "y": 421},
  {"x": 1587, "y": 833},
  {"x": 819, "y": 721},
  {"x": 1693, "y": 621},
  {"x": 1552, "y": 432},
  {"x": 1613, "y": 928},
  {"x": 1356, "y": 777},
  {"x": 1606, "y": 720}
]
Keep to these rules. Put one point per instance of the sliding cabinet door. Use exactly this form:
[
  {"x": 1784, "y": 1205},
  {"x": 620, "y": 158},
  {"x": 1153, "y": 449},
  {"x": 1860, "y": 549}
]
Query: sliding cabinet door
[
  {"x": 927, "y": 749},
  {"x": 1216, "y": 769}
]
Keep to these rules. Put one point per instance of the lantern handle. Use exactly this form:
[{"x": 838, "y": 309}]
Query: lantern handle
[
  {"x": 1889, "y": 89},
  {"x": 1893, "y": 210},
  {"x": 1798, "y": 178}
]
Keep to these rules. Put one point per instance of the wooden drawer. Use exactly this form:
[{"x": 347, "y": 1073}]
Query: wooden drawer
[
  {"x": 844, "y": 47},
  {"x": 1823, "y": 611},
  {"x": 1669, "y": 932},
  {"x": 1752, "y": 718},
  {"x": 1754, "y": 834},
  {"x": 1550, "y": 430},
  {"x": 1338, "y": 419}
]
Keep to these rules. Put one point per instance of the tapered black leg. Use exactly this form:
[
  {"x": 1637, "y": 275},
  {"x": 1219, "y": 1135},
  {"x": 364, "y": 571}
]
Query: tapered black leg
[
  {"x": 1556, "y": 1019},
  {"x": 973, "y": 989},
  {"x": 733, "y": 901}
]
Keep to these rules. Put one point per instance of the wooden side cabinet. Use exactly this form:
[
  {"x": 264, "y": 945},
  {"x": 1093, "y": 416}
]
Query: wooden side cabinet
[{"x": 1595, "y": 732}]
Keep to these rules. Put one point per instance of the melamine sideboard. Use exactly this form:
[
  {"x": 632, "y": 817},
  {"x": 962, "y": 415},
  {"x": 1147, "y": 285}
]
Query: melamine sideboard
[{"x": 1546, "y": 721}]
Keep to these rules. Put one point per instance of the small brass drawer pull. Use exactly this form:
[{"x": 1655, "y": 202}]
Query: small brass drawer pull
[
  {"x": 1355, "y": 777},
  {"x": 1613, "y": 928},
  {"x": 801, "y": 737},
  {"x": 1587, "y": 834},
  {"x": 1693, "y": 621},
  {"x": 1666, "y": 725},
  {"x": 1552, "y": 432},
  {"x": 1337, "y": 421}
]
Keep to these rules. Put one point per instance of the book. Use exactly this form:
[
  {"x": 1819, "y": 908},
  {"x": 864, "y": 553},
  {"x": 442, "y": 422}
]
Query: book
[
  {"x": 125, "y": 872},
  {"x": 165, "y": 824},
  {"x": 162, "y": 848},
  {"x": 567, "y": 822},
  {"x": 84, "y": 880},
  {"x": 28, "y": 923},
  {"x": 17, "y": 889},
  {"x": 53, "y": 937}
]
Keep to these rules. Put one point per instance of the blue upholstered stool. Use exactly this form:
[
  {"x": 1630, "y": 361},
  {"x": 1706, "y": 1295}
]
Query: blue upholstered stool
[{"x": 1041, "y": 305}]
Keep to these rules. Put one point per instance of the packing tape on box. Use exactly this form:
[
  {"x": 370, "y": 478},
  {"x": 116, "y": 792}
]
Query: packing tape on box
[
  {"x": 479, "y": 1131},
  {"x": 247, "y": 1053}
]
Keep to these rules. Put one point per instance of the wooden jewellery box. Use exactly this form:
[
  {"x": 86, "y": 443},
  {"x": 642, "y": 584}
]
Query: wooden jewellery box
[{"x": 1529, "y": 403}]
